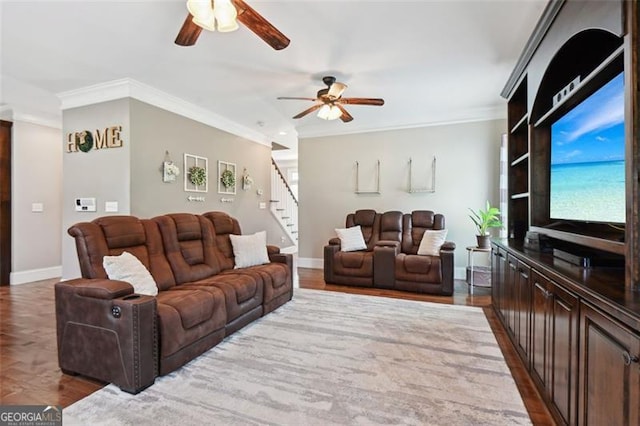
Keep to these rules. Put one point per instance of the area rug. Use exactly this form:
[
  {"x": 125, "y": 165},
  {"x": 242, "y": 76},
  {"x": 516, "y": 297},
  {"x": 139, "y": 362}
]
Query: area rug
[{"x": 332, "y": 359}]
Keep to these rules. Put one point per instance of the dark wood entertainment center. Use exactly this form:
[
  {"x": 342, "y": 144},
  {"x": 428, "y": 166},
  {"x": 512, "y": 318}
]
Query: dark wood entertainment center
[{"x": 577, "y": 329}]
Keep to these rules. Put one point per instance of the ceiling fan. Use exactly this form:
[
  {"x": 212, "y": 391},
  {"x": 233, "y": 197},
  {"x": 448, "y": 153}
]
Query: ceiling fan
[
  {"x": 330, "y": 102},
  {"x": 222, "y": 15}
]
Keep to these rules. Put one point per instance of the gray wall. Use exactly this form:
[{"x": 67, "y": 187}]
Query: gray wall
[
  {"x": 103, "y": 174},
  {"x": 155, "y": 131},
  {"x": 132, "y": 175},
  {"x": 467, "y": 175},
  {"x": 36, "y": 178}
]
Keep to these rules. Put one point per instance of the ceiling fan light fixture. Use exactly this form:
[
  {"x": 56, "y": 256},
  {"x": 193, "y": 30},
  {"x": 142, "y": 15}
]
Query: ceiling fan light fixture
[
  {"x": 336, "y": 90},
  {"x": 225, "y": 14},
  {"x": 329, "y": 112},
  {"x": 208, "y": 22},
  {"x": 199, "y": 9}
]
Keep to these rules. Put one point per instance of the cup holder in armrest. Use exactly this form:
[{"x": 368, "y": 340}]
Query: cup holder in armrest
[{"x": 131, "y": 296}]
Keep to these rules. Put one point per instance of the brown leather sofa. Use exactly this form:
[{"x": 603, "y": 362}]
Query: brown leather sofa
[
  {"x": 391, "y": 260},
  {"x": 107, "y": 332}
]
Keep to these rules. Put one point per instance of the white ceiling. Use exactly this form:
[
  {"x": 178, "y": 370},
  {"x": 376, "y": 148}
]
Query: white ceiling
[{"x": 432, "y": 61}]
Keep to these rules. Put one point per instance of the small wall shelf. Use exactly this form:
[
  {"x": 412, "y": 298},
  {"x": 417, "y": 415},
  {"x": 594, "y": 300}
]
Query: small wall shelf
[
  {"x": 377, "y": 191},
  {"x": 414, "y": 190}
]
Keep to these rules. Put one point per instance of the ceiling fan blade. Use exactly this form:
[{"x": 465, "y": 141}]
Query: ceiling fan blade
[
  {"x": 299, "y": 99},
  {"x": 260, "y": 26},
  {"x": 188, "y": 33},
  {"x": 308, "y": 111},
  {"x": 362, "y": 101},
  {"x": 345, "y": 117}
]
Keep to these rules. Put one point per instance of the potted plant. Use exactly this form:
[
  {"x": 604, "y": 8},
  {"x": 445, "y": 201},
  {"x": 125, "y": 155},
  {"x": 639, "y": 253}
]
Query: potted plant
[{"x": 485, "y": 219}]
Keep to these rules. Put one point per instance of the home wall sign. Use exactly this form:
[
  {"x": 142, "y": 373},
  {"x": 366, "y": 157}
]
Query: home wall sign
[{"x": 86, "y": 140}]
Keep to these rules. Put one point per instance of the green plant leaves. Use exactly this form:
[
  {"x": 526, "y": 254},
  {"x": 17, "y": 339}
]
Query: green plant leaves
[{"x": 485, "y": 219}]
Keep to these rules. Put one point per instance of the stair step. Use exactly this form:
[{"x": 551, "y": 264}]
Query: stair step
[
  {"x": 294, "y": 232},
  {"x": 289, "y": 224},
  {"x": 285, "y": 217},
  {"x": 279, "y": 210},
  {"x": 274, "y": 201}
]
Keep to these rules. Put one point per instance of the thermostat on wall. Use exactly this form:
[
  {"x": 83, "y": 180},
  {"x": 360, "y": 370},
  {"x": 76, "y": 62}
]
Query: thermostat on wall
[{"x": 85, "y": 204}]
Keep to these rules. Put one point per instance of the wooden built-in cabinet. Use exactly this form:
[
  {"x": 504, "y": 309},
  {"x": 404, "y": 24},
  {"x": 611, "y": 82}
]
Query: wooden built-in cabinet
[
  {"x": 609, "y": 377},
  {"x": 578, "y": 337},
  {"x": 576, "y": 329},
  {"x": 554, "y": 340}
]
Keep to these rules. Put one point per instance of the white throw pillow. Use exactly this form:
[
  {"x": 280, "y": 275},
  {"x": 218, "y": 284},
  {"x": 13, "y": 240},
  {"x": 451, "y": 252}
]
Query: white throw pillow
[
  {"x": 351, "y": 239},
  {"x": 250, "y": 250},
  {"x": 127, "y": 267},
  {"x": 431, "y": 242}
]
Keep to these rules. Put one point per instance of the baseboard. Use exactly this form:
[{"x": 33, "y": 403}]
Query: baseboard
[
  {"x": 32, "y": 275},
  {"x": 310, "y": 262}
]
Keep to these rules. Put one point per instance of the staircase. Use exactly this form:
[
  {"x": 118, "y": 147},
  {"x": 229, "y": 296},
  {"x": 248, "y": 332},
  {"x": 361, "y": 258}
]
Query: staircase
[{"x": 284, "y": 205}]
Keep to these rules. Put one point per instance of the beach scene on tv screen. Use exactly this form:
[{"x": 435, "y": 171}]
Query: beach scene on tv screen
[{"x": 587, "y": 158}]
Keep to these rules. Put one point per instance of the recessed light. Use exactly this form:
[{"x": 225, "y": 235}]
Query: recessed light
[{"x": 282, "y": 133}]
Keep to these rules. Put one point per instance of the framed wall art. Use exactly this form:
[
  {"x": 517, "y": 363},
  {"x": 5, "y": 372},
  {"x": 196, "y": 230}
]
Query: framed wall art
[
  {"x": 226, "y": 178},
  {"x": 196, "y": 173}
]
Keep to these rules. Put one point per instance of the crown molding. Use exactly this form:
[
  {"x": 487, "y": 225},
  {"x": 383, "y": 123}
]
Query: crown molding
[
  {"x": 129, "y": 88},
  {"x": 14, "y": 114},
  {"x": 473, "y": 116}
]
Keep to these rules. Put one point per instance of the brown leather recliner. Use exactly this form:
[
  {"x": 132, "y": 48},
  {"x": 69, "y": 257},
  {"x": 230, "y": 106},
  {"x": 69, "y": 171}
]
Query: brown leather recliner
[
  {"x": 396, "y": 264},
  {"x": 107, "y": 332},
  {"x": 419, "y": 273},
  {"x": 353, "y": 267}
]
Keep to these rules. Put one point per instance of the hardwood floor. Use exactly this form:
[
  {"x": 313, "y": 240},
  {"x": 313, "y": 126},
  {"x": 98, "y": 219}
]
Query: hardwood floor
[{"x": 29, "y": 372}]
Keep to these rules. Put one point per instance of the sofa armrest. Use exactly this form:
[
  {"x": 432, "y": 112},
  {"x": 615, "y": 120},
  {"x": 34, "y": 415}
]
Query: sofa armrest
[
  {"x": 107, "y": 332},
  {"x": 384, "y": 261},
  {"x": 98, "y": 288},
  {"x": 272, "y": 250},
  {"x": 330, "y": 251},
  {"x": 447, "y": 263},
  {"x": 448, "y": 245},
  {"x": 388, "y": 243},
  {"x": 285, "y": 258}
]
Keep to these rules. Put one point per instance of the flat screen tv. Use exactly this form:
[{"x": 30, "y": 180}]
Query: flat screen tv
[{"x": 587, "y": 159}]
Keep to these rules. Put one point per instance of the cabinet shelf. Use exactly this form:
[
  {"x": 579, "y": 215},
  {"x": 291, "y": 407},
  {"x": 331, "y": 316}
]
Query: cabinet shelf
[
  {"x": 520, "y": 159},
  {"x": 520, "y": 123},
  {"x": 520, "y": 195},
  {"x": 616, "y": 55}
]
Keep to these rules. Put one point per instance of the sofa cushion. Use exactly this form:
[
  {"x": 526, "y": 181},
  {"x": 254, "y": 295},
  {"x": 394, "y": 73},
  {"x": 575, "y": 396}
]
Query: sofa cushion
[
  {"x": 351, "y": 239},
  {"x": 187, "y": 315},
  {"x": 355, "y": 264},
  {"x": 189, "y": 246},
  {"x": 223, "y": 226},
  {"x": 423, "y": 269},
  {"x": 243, "y": 292},
  {"x": 112, "y": 235},
  {"x": 127, "y": 267},
  {"x": 369, "y": 222},
  {"x": 431, "y": 242},
  {"x": 250, "y": 250}
]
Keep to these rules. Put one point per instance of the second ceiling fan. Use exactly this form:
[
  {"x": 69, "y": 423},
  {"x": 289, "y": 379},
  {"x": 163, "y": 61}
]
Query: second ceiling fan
[
  {"x": 329, "y": 101},
  {"x": 222, "y": 15}
]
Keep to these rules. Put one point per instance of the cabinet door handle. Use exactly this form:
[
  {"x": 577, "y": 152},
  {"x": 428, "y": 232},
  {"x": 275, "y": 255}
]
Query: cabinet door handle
[{"x": 628, "y": 358}]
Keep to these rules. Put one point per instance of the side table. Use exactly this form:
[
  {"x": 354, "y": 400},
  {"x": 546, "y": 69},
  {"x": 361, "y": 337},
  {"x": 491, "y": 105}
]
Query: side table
[{"x": 470, "y": 252}]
